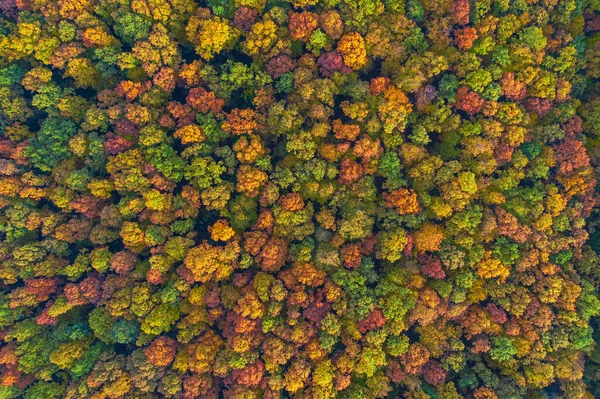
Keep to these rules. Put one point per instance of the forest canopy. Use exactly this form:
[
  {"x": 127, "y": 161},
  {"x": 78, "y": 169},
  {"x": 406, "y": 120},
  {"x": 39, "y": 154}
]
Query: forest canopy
[{"x": 290, "y": 199}]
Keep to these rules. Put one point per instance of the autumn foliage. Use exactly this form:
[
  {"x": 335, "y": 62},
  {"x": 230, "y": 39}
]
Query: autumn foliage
[{"x": 260, "y": 199}]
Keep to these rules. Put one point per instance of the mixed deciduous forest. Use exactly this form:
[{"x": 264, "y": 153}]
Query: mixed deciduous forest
[{"x": 289, "y": 199}]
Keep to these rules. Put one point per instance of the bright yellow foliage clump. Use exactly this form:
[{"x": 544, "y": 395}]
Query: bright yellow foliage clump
[
  {"x": 190, "y": 134},
  {"x": 211, "y": 36},
  {"x": 352, "y": 47},
  {"x": 491, "y": 268},
  {"x": 262, "y": 37},
  {"x": 221, "y": 231},
  {"x": 207, "y": 262},
  {"x": 428, "y": 238}
]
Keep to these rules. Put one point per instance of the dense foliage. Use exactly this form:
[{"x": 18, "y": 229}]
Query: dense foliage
[{"x": 299, "y": 199}]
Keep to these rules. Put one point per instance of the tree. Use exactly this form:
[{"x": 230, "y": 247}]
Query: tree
[
  {"x": 403, "y": 201},
  {"x": 302, "y": 25},
  {"x": 352, "y": 47},
  {"x": 49, "y": 147},
  {"x": 211, "y": 36},
  {"x": 391, "y": 245},
  {"x": 207, "y": 262},
  {"x": 161, "y": 351}
]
